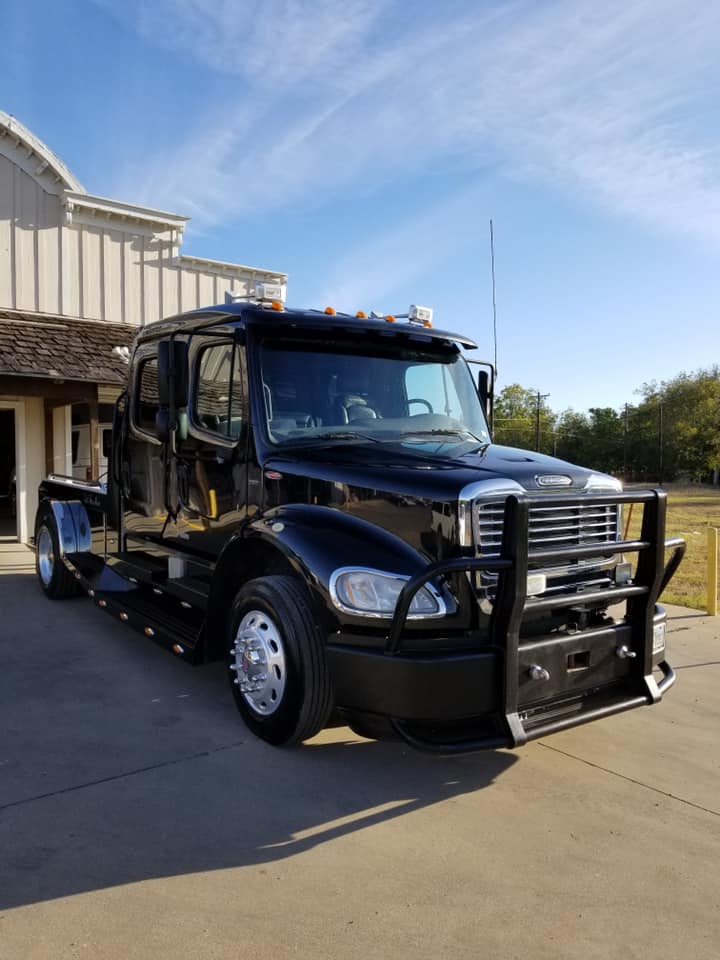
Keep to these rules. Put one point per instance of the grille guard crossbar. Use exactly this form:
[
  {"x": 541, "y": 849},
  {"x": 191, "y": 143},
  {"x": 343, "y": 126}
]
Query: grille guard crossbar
[{"x": 512, "y": 602}]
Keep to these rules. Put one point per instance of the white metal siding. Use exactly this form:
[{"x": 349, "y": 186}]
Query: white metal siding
[{"x": 66, "y": 253}]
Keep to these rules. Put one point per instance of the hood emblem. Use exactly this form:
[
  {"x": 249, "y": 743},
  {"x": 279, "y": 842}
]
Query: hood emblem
[{"x": 553, "y": 480}]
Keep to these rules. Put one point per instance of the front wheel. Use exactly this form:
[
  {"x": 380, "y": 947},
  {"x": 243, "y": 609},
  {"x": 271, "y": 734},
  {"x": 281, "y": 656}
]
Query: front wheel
[{"x": 277, "y": 663}]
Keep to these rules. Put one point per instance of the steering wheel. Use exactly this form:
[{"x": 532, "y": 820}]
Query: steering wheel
[{"x": 424, "y": 402}]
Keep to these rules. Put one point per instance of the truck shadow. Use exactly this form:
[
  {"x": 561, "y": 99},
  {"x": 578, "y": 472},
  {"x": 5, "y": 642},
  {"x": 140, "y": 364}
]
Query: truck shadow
[{"x": 123, "y": 764}]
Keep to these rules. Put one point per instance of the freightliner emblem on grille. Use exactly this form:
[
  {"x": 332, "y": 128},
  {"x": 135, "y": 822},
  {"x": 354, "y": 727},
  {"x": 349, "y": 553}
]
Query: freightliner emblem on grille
[{"x": 553, "y": 480}]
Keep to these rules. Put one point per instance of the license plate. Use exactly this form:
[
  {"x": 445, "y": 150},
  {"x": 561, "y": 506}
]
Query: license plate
[{"x": 658, "y": 638}]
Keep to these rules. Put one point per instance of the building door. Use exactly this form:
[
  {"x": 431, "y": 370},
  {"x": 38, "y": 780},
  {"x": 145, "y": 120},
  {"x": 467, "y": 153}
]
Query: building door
[{"x": 8, "y": 476}]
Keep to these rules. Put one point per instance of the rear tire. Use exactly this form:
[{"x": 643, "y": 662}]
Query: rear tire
[
  {"x": 276, "y": 660},
  {"x": 55, "y": 579}
]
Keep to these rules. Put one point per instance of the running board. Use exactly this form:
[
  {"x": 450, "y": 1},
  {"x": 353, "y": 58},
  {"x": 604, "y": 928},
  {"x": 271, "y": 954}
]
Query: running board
[{"x": 169, "y": 621}]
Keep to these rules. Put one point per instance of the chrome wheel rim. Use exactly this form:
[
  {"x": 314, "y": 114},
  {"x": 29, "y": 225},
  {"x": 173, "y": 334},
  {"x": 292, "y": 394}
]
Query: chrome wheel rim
[
  {"x": 258, "y": 661},
  {"x": 45, "y": 555}
]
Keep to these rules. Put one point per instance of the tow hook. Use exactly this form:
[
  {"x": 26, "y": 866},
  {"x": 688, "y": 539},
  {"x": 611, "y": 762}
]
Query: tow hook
[
  {"x": 538, "y": 673},
  {"x": 625, "y": 653}
]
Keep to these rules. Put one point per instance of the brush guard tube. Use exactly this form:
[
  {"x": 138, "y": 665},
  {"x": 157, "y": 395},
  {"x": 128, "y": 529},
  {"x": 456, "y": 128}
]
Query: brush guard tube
[{"x": 639, "y": 688}]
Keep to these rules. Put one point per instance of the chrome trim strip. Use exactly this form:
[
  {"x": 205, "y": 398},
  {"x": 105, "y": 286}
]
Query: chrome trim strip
[
  {"x": 89, "y": 486},
  {"x": 332, "y": 586},
  {"x": 467, "y": 497}
]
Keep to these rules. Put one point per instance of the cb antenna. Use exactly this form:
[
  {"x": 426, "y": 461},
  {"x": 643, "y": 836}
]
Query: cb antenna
[{"x": 494, "y": 305}]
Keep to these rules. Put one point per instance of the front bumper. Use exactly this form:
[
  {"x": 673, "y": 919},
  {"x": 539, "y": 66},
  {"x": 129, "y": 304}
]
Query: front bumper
[{"x": 512, "y": 689}]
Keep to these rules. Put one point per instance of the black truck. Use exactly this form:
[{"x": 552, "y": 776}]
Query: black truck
[{"x": 316, "y": 498}]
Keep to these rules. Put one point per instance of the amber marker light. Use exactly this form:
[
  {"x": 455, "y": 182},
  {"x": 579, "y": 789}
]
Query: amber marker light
[
  {"x": 330, "y": 311},
  {"x": 276, "y": 305},
  {"x": 427, "y": 323},
  {"x": 389, "y": 318},
  {"x": 361, "y": 315}
]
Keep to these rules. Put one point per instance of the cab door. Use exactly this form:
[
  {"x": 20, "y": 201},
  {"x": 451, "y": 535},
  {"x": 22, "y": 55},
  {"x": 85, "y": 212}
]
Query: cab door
[
  {"x": 144, "y": 462},
  {"x": 211, "y": 460}
]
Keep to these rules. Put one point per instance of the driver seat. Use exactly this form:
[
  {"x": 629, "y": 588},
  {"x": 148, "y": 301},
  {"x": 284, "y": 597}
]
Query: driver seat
[{"x": 352, "y": 407}]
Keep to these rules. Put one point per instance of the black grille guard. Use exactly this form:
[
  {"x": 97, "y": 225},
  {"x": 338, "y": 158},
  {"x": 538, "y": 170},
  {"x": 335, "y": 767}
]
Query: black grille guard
[{"x": 511, "y": 603}]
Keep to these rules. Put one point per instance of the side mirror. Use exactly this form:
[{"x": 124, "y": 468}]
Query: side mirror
[
  {"x": 484, "y": 389},
  {"x": 172, "y": 390},
  {"x": 162, "y": 424},
  {"x": 172, "y": 374}
]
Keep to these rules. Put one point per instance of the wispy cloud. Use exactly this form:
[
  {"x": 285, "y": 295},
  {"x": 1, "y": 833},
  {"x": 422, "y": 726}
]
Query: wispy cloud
[{"x": 322, "y": 97}]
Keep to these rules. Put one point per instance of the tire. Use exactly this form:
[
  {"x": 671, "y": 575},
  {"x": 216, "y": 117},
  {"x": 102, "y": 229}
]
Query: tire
[
  {"x": 54, "y": 578},
  {"x": 276, "y": 660}
]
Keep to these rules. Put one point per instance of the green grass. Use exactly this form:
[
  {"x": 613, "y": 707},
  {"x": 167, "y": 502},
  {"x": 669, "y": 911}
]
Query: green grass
[{"x": 691, "y": 510}]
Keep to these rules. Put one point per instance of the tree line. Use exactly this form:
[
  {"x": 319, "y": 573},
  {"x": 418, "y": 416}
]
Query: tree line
[{"x": 671, "y": 433}]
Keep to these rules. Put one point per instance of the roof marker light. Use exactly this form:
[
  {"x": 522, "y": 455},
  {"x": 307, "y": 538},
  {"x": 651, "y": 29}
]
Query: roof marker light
[
  {"x": 361, "y": 315},
  {"x": 389, "y": 318},
  {"x": 276, "y": 305},
  {"x": 330, "y": 311},
  {"x": 268, "y": 292},
  {"x": 418, "y": 314}
]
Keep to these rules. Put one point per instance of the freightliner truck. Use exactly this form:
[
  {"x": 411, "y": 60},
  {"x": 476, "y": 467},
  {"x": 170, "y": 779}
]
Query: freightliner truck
[{"x": 316, "y": 498}]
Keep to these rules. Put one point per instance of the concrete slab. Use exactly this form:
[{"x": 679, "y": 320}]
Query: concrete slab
[
  {"x": 139, "y": 819},
  {"x": 15, "y": 557}
]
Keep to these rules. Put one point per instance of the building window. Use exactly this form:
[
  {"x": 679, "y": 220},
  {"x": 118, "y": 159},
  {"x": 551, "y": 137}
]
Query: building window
[
  {"x": 148, "y": 401},
  {"x": 218, "y": 394}
]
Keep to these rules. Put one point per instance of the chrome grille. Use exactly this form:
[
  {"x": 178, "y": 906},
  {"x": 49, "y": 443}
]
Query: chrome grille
[{"x": 564, "y": 526}]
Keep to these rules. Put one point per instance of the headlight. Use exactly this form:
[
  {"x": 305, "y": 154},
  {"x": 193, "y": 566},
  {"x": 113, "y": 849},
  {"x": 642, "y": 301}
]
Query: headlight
[
  {"x": 374, "y": 593},
  {"x": 600, "y": 483}
]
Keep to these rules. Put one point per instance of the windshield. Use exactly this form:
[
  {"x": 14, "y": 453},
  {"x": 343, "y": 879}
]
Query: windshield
[{"x": 335, "y": 393}]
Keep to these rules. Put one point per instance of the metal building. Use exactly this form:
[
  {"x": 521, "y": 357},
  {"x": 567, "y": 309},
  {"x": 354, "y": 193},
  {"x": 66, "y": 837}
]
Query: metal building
[{"x": 78, "y": 275}]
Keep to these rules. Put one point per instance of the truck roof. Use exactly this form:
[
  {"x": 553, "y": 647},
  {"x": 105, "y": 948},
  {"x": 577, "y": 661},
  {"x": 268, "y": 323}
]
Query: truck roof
[{"x": 247, "y": 314}]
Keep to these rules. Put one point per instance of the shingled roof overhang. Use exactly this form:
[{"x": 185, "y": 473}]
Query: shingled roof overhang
[{"x": 58, "y": 348}]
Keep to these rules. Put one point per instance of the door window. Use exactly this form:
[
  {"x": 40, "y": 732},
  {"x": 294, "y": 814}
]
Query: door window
[
  {"x": 147, "y": 400},
  {"x": 218, "y": 394}
]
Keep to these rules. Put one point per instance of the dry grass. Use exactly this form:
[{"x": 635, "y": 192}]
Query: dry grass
[{"x": 691, "y": 510}]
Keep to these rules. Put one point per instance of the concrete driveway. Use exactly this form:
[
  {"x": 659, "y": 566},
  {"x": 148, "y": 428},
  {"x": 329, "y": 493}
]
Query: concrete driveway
[{"x": 138, "y": 819}]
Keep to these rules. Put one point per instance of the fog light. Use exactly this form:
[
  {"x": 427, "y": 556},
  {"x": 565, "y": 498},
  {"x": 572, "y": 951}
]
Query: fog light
[{"x": 536, "y": 584}]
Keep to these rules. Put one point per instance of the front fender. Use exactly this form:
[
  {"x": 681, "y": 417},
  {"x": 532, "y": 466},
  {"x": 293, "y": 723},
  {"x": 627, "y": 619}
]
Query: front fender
[{"x": 316, "y": 541}]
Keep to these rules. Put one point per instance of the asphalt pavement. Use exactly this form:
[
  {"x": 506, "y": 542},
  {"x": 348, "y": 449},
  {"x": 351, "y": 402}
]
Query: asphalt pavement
[{"x": 139, "y": 818}]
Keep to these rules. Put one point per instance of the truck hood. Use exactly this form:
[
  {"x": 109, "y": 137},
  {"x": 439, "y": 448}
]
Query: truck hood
[{"x": 396, "y": 469}]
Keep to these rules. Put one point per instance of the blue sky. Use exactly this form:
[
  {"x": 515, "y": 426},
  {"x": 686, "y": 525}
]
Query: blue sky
[{"x": 362, "y": 147}]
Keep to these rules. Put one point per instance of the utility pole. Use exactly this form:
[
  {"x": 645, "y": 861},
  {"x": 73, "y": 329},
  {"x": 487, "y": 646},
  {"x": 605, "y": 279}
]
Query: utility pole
[
  {"x": 540, "y": 398},
  {"x": 625, "y": 443}
]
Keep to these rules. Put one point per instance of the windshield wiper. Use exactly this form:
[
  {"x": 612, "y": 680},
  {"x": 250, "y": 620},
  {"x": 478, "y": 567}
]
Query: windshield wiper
[
  {"x": 339, "y": 435},
  {"x": 446, "y": 432},
  {"x": 347, "y": 435}
]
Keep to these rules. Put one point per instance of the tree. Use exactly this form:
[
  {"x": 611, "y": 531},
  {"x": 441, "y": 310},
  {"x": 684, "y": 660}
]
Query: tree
[
  {"x": 687, "y": 416},
  {"x": 516, "y": 419}
]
